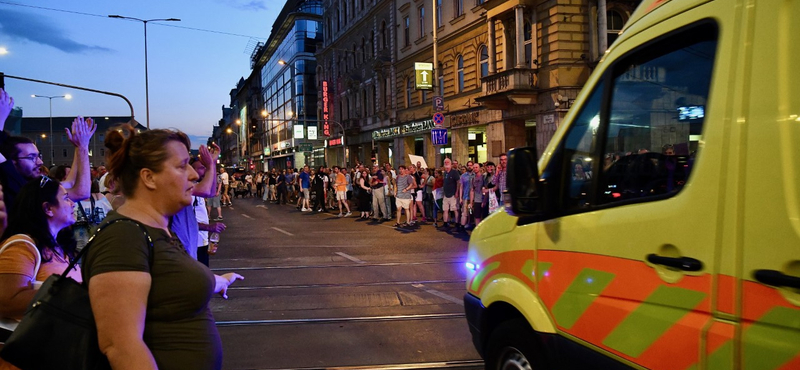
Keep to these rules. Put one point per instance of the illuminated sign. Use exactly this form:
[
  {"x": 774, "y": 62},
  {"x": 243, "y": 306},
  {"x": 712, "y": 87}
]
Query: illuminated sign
[
  {"x": 326, "y": 114},
  {"x": 312, "y": 132},
  {"x": 334, "y": 142},
  {"x": 404, "y": 129},
  {"x": 424, "y": 76},
  {"x": 298, "y": 131}
]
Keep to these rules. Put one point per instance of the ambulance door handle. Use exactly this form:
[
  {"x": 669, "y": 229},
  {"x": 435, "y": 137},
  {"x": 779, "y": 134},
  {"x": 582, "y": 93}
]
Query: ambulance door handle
[
  {"x": 681, "y": 263},
  {"x": 776, "y": 278}
]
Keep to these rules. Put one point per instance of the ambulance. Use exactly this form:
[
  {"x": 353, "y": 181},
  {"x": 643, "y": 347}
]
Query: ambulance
[{"x": 660, "y": 229}]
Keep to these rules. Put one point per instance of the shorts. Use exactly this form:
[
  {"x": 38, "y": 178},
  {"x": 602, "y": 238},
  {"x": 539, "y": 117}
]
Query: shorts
[
  {"x": 225, "y": 188},
  {"x": 213, "y": 202},
  {"x": 449, "y": 204},
  {"x": 341, "y": 195},
  {"x": 419, "y": 195},
  {"x": 306, "y": 195},
  {"x": 477, "y": 210},
  {"x": 403, "y": 203}
]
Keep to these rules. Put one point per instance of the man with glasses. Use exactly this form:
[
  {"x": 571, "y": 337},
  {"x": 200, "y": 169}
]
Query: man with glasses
[{"x": 24, "y": 161}]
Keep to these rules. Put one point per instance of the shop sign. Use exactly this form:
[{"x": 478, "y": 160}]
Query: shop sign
[
  {"x": 465, "y": 119},
  {"x": 298, "y": 131},
  {"x": 424, "y": 75},
  {"x": 286, "y": 144},
  {"x": 305, "y": 147},
  {"x": 439, "y": 136},
  {"x": 404, "y": 129},
  {"x": 312, "y": 132},
  {"x": 326, "y": 125},
  {"x": 334, "y": 142}
]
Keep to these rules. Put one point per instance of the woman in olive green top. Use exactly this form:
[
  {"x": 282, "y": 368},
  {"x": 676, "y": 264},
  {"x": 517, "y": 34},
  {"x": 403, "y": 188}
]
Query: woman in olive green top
[{"x": 152, "y": 310}]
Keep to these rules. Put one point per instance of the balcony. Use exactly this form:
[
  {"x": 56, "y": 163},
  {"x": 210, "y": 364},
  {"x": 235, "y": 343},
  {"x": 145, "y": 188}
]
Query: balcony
[{"x": 504, "y": 89}]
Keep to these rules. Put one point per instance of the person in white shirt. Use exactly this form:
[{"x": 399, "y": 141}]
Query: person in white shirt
[{"x": 225, "y": 180}]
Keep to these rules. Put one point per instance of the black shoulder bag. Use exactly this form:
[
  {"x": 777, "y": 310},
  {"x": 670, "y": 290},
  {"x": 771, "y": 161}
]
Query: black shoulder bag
[{"x": 58, "y": 330}]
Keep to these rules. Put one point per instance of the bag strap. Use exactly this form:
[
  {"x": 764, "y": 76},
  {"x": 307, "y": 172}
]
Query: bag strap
[
  {"x": 25, "y": 239},
  {"x": 101, "y": 228}
]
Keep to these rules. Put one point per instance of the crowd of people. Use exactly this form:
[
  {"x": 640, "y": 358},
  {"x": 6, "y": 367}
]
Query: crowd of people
[
  {"x": 146, "y": 269},
  {"x": 458, "y": 196}
]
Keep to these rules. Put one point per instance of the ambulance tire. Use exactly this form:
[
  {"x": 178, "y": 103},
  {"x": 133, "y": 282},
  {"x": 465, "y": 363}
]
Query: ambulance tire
[{"x": 513, "y": 345}]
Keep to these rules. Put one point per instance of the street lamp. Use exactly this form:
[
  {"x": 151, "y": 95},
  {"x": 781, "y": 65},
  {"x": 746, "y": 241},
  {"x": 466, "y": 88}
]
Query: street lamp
[
  {"x": 146, "y": 80},
  {"x": 238, "y": 150},
  {"x": 67, "y": 96}
]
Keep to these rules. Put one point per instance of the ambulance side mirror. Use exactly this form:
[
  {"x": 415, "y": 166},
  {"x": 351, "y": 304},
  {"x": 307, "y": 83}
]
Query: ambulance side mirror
[{"x": 522, "y": 182}]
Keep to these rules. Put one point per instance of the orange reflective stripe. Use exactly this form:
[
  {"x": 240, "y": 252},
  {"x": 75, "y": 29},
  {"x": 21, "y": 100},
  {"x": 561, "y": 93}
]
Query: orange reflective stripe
[
  {"x": 794, "y": 364},
  {"x": 511, "y": 263},
  {"x": 726, "y": 297},
  {"x": 664, "y": 351}
]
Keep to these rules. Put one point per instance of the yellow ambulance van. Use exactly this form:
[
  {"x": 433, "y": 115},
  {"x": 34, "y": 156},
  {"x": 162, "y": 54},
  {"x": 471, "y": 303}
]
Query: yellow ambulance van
[{"x": 660, "y": 229}]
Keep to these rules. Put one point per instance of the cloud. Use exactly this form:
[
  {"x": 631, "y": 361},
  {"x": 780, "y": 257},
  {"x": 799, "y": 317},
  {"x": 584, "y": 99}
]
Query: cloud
[
  {"x": 247, "y": 5},
  {"x": 41, "y": 30},
  {"x": 198, "y": 140}
]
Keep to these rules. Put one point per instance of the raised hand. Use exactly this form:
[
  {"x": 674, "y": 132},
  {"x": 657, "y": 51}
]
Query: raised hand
[
  {"x": 6, "y": 105},
  {"x": 82, "y": 131}
]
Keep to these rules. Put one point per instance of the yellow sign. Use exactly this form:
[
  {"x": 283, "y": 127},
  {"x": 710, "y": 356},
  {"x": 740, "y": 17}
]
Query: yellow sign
[{"x": 424, "y": 76}]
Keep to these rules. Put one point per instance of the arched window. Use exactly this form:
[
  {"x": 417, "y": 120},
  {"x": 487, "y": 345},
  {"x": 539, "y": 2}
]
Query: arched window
[
  {"x": 384, "y": 36},
  {"x": 484, "y": 53},
  {"x": 614, "y": 21},
  {"x": 344, "y": 13},
  {"x": 528, "y": 44},
  {"x": 363, "y": 50},
  {"x": 459, "y": 74},
  {"x": 409, "y": 89}
]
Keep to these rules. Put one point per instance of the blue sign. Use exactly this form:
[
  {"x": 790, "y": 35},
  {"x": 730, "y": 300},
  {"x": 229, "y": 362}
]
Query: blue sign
[
  {"x": 438, "y": 103},
  {"x": 438, "y": 119},
  {"x": 439, "y": 136}
]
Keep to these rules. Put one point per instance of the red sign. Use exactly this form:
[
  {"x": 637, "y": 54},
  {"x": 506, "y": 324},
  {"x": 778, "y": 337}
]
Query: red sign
[
  {"x": 326, "y": 115},
  {"x": 334, "y": 142}
]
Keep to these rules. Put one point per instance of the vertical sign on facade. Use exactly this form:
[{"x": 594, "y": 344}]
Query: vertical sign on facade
[
  {"x": 424, "y": 76},
  {"x": 326, "y": 125}
]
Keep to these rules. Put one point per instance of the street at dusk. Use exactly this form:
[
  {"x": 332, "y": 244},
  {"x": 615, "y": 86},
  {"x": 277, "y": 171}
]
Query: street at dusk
[{"x": 327, "y": 292}]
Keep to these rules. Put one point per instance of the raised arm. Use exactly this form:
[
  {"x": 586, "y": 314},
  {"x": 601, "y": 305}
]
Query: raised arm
[
  {"x": 119, "y": 304},
  {"x": 79, "y": 182},
  {"x": 208, "y": 185},
  {"x": 6, "y": 105}
]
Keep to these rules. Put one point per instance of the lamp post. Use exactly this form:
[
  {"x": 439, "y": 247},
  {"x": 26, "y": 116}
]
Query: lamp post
[
  {"x": 67, "y": 96},
  {"x": 146, "y": 79},
  {"x": 238, "y": 150}
]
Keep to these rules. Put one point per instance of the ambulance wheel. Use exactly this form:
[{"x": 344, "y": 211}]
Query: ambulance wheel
[{"x": 512, "y": 346}]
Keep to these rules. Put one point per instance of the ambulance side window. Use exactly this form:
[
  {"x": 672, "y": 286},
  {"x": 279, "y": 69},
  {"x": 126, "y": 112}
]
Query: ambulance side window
[
  {"x": 577, "y": 150},
  {"x": 657, "y": 109}
]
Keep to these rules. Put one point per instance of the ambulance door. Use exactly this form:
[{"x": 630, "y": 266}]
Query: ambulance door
[
  {"x": 627, "y": 260},
  {"x": 770, "y": 222}
]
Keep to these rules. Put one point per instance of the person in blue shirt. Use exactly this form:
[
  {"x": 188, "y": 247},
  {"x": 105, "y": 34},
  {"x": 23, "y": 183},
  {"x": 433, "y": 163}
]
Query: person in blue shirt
[{"x": 305, "y": 184}]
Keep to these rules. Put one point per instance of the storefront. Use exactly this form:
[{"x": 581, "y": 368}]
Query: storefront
[{"x": 394, "y": 144}]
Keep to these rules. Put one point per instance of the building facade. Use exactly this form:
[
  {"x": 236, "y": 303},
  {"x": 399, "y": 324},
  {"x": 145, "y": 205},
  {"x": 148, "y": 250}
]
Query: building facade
[
  {"x": 355, "y": 78},
  {"x": 506, "y": 72},
  {"x": 286, "y": 68}
]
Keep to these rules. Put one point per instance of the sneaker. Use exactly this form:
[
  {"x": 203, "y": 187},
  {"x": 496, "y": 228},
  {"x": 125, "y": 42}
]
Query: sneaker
[
  {"x": 340, "y": 215},
  {"x": 218, "y": 218},
  {"x": 348, "y": 214},
  {"x": 305, "y": 210}
]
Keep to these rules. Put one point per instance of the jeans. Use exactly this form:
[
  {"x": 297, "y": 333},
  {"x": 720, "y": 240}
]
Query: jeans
[{"x": 379, "y": 203}]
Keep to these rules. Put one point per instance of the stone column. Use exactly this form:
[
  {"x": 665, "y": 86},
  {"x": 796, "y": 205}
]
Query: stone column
[
  {"x": 460, "y": 144},
  {"x": 520, "y": 22},
  {"x": 491, "y": 46},
  {"x": 429, "y": 150},
  {"x": 383, "y": 151},
  {"x": 602, "y": 27}
]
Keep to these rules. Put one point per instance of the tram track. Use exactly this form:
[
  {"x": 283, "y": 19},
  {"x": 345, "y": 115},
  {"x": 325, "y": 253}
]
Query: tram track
[
  {"x": 345, "y": 285},
  {"x": 336, "y": 265},
  {"x": 331, "y": 320},
  {"x": 463, "y": 364}
]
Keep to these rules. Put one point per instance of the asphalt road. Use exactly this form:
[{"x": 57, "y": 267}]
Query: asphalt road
[{"x": 322, "y": 292}]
